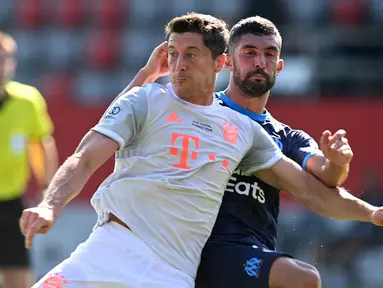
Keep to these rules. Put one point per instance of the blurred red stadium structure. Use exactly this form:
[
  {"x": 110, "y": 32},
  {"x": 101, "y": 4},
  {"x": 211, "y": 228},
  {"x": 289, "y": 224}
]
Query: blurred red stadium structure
[{"x": 361, "y": 119}]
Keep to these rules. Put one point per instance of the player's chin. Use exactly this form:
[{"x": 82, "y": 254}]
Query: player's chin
[{"x": 182, "y": 89}]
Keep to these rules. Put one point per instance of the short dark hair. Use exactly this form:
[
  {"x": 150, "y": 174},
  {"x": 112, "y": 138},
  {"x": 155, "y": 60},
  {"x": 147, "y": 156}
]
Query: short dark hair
[
  {"x": 214, "y": 31},
  {"x": 253, "y": 25}
]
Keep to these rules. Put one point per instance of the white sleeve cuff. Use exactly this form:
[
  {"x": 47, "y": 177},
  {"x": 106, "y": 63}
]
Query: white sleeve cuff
[
  {"x": 111, "y": 134},
  {"x": 270, "y": 163}
]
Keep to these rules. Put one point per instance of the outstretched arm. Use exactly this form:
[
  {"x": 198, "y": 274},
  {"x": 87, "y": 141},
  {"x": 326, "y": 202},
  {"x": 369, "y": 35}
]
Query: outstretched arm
[
  {"x": 93, "y": 151},
  {"x": 329, "y": 202},
  {"x": 114, "y": 131},
  {"x": 67, "y": 183}
]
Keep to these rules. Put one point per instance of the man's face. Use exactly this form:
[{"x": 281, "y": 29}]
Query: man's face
[
  {"x": 7, "y": 67},
  {"x": 255, "y": 64},
  {"x": 191, "y": 66}
]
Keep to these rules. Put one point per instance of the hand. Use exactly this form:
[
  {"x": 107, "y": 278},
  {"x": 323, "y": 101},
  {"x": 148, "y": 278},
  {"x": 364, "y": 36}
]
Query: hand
[
  {"x": 336, "y": 148},
  {"x": 377, "y": 217},
  {"x": 157, "y": 65},
  {"x": 37, "y": 220}
]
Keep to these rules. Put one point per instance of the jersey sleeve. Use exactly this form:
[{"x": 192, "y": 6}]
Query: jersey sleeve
[
  {"x": 125, "y": 116},
  {"x": 263, "y": 154},
  {"x": 40, "y": 122},
  {"x": 300, "y": 147}
]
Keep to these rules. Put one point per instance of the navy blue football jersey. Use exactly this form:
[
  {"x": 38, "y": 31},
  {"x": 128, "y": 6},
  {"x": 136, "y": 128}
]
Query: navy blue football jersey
[{"x": 250, "y": 207}]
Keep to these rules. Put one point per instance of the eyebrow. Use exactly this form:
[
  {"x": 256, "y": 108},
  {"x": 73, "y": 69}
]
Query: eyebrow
[
  {"x": 189, "y": 48},
  {"x": 249, "y": 46}
]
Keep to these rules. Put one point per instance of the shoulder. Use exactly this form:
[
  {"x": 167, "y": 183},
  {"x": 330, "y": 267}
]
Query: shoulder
[
  {"x": 27, "y": 97},
  {"x": 299, "y": 135},
  {"x": 241, "y": 121},
  {"x": 287, "y": 131},
  {"x": 276, "y": 124},
  {"x": 153, "y": 89},
  {"x": 148, "y": 91},
  {"x": 24, "y": 92},
  {"x": 231, "y": 113}
]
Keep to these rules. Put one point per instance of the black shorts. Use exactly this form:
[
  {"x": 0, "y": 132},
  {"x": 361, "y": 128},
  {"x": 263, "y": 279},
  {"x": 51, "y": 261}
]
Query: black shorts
[
  {"x": 13, "y": 254},
  {"x": 227, "y": 265}
]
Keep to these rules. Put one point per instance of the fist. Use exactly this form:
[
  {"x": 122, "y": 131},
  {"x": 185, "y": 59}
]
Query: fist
[
  {"x": 336, "y": 148},
  {"x": 377, "y": 217},
  {"x": 37, "y": 220}
]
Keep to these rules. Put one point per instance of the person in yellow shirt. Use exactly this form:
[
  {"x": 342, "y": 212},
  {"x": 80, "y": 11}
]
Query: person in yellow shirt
[{"x": 25, "y": 141}]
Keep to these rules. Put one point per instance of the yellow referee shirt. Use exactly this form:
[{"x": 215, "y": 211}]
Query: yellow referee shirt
[{"x": 23, "y": 117}]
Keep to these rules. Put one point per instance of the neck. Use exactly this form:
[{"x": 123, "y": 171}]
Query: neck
[
  {"x": 206, "y": 97},
  {"x": 202, "y": 99},
  {"x": 253, "y": 104}
]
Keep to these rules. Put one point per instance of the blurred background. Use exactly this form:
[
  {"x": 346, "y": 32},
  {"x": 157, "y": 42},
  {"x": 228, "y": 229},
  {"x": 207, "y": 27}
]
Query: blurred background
[{"x": 82, "y": 53}]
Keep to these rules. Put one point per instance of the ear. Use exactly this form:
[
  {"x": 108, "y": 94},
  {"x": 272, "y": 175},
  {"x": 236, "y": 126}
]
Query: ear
[
  {"x": 229, "y": 63},
  {"x": 219, "y": 62},
  {"x": 280, "y": 66}
]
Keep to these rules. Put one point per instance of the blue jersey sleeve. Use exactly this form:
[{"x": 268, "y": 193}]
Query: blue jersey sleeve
[{"x": 300, "y": 147}]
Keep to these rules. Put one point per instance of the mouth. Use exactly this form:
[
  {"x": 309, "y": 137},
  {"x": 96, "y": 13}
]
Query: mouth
[
  {"x": 257, "y": 77},
  {"x": 181, "y": 79}
]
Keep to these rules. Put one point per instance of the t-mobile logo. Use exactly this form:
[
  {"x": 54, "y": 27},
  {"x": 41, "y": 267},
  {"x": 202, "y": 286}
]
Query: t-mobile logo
[{"x": 186, "y": 142}]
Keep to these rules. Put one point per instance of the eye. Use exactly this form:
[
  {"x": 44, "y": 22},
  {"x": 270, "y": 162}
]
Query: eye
[
  {"x": 250, "y": 53},
  {"x": 191, "y": 55},
  {"x": 271, "y": 54},
  {"x": 171, "y": 53}
]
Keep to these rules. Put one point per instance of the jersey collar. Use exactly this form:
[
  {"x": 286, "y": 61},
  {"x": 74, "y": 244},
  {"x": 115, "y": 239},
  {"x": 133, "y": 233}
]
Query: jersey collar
[{"x": 255, "y": 116}]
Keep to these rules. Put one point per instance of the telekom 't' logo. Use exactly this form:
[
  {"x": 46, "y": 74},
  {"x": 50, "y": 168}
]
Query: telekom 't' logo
[{"x": 184, "y": 155}]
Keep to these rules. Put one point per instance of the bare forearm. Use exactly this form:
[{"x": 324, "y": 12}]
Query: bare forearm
[
  {"x": 334, "y": 175},
  {"x": 325, "y": 201},
  {"x": 67, "y": 183},
  {"x": 141, "y": 79},
  {"x": 334, "y": 203},
  {"x": 343, "y": 205}
]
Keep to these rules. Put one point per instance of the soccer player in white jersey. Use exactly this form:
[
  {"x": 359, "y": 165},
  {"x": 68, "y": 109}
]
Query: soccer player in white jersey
[
  {"x": 175, "y": 151},
  {"x": 157, "y": 209}
]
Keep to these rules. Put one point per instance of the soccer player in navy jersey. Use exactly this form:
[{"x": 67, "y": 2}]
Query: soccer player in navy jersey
[
  {"x": 241, "y": 251},
  {"x": 242, "y": 248}
]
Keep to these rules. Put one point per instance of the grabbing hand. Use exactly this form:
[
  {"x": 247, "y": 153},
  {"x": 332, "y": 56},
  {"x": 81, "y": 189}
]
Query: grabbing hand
[
  {"x": 37, "y": 220},
  {"x": 377, "y": 217},
  {"x": 336, "y": 148},
  {"x": 157, "y": 65}
]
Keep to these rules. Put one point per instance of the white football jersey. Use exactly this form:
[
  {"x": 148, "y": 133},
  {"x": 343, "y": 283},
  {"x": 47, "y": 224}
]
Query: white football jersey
[{"x": 171, "y": 170}]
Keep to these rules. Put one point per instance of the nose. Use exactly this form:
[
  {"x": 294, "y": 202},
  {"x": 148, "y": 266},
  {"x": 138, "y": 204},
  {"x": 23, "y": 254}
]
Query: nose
[
  {"x": 260, "y": 61},
  {"x": 181, "y": 64}
]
